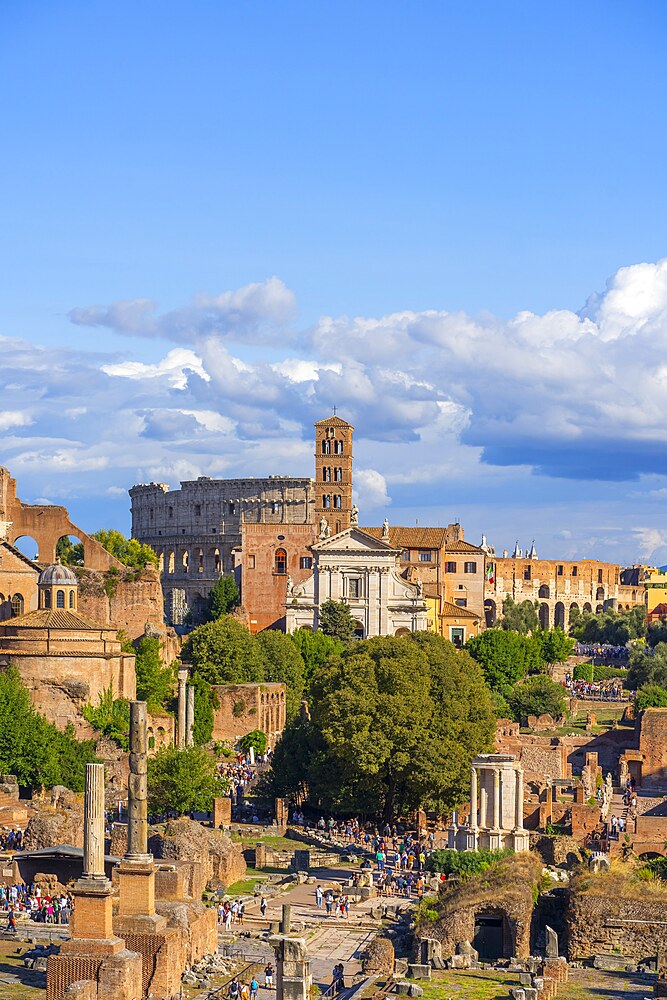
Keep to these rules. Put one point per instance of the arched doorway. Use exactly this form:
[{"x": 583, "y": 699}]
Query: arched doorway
[
  {"x": 544, "y": 616},
  {"x": 587, "y": 608},
  {"x": 402, "y": 631},
  {"x": 544, "y": 593},
  {"x": 490, "y": 613},
  {"x": 559, "y": 615},
  {"x": 359, "y": 630}
]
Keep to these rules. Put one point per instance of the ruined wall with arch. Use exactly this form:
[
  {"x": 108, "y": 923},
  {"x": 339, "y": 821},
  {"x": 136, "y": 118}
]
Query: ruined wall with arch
[{"x": 245, "y": 707}]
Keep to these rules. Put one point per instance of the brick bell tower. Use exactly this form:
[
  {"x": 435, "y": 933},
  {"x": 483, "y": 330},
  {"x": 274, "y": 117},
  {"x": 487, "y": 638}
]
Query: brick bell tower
[{"x": 333, "y": 472}]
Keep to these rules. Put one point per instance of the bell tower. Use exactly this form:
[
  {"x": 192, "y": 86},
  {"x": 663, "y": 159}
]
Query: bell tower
[{"x": 333, "y": 472}]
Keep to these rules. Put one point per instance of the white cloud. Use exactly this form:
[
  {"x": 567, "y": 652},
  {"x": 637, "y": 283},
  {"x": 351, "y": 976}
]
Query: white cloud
[
  {"x": 174, "y": 368},
  {"x": 13, "y": 418},
  {"x": 370, "y": 489}
]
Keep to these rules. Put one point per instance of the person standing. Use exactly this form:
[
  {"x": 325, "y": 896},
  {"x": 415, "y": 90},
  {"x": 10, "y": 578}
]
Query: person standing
[
  {"x": 268, "y": 977},
  {"x": 262, "y": 906},
  {"x": 318, "y": 897},
  {"x": 254, "y": 986}
]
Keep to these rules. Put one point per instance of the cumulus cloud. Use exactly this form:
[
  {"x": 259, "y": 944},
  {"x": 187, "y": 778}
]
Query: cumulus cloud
[
  {"x": 441, "y": 401},
  {"x": 249, "y": 313}
]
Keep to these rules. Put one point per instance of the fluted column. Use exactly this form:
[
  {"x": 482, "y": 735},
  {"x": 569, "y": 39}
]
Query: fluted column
[
  {"x": 182, "y": 680},
  {"x": 190, "y": 716},
  {"x": 473, "y": 798},
  {"x": 518, "y": 804},
  {"x": 496, "y": 798},
  {"x": 137, "y": 786},
  {"x": 483, "y": 802},
  {"x": 93, "y": 823}
]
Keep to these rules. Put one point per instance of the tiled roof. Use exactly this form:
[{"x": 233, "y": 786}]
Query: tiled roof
[
  {"x": 449, "y": 610},
  {"x": 58, "y": 618},
  {"x": 463, "y": 547},
  {"x": 659, "y": 609},
  {"x": 332, "y": 422},
  {"x": 412, "y": 538}
]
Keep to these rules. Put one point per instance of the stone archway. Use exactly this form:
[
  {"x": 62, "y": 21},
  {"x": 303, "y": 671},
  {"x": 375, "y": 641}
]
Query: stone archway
[
  {"x": 27, "y": 546},
  {"x": 544, "y": 616},
  {"x": 559, "y": 615},
  {"x": 490, "y": 612}
]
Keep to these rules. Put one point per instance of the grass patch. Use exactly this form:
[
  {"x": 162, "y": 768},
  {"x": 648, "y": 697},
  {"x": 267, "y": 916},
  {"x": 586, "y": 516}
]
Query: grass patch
[
  {"x": 245, "y": 887},
  {"x": 475, "y": 984}
]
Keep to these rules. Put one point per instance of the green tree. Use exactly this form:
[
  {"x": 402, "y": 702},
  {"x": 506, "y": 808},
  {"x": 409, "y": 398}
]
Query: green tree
[
  {"x": 111, "y": 717},
  {"x": 182, "y": 780},
  {"x": 224, "y": 652},
  {"x": 395, "y": 724},
  {"x": 155, "y": 681},
  {"x": 463, "y": 722},
  {"x": 206, "y": 702},
  {"x": 68, "y": 553},
  {"x": 505, "y": 657},
  {"x": 556, "y": 645},
  {"x": 256, "y": 739},
  {"x": 33, "y": 749},
  {"x": 336, "y": 620},
  {"x": 519, "y": 617},
  {"x": 129, "y": 551},
  {"x": 650, "y": 696},
  {"x": 315, "y": 648},
  {"x": 283, "y": 663},
  {"x": 656, "y": 633},
  {"x": 223, "y": 597},
  {"x": 537, "y": 695},
  {"x": 647, "y": 667}
]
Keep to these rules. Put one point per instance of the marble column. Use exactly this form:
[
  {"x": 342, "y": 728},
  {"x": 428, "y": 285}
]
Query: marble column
[
  {"x": 473, "y": 798},
  {"x": 93, "y": 823},
  {"x": 518, "y": 802},
  {"x": 483, "y": 801},
  {"x": 182, "y": 681},
  {"x": 190, "y": 716},
  {"x": 137, "y": 786},
  {"x": 496, "y": 798}
]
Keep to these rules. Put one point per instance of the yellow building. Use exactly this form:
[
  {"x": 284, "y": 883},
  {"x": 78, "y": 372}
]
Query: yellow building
[{"x": 655, "y": 582}]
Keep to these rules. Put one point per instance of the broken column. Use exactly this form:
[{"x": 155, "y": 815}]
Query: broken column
[
  {"x": 294, "y": 979},
  {"x": 137, "y": 871},
  {"x": 182, "y": 682},
  {"x": 190, "y": 716},
  {"x": 93, "y": 952}
]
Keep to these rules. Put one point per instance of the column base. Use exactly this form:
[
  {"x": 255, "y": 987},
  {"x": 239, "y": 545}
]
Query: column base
[
  {"x": 521, "y": 840},
  {"x": 136, "y": 879},
  {"x": 495, "y": 840},
  {"x": 470, "y": 839}
]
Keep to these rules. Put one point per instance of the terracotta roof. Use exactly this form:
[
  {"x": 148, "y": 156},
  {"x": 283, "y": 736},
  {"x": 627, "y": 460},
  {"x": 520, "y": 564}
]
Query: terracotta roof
[
  {"x": 412, "y": 538},
  {"x": 333, "y": 421},
  {"x": 449, "y": 610},
  {"x": 58, "y": 618},
  {"x": 463, "y": 547},
  {"x": 659, "y": 609}
]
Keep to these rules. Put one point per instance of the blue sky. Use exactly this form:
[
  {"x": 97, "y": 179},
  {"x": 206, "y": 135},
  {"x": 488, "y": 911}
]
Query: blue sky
[{"x": 220, "y": 218}]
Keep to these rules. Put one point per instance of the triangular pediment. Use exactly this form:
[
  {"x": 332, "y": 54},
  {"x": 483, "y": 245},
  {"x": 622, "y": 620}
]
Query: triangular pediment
[{"x": 351, "y": 540}]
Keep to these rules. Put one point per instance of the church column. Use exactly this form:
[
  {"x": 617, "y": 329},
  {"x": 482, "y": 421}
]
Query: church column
[
  {"x": 182, "y": 679},
  {"x": 518, "y": 804},
  {"x": 190, "y": 716},
  {"x": 93, "y": 823},
  {"x": 496, "y": 798},
  {"x": 473, "y": 798}
]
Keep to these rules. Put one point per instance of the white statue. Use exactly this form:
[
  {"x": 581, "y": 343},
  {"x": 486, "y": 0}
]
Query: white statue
[
  {"x": 290, "y": 586},
  {"x": 354, "y": 514},
  {"x": 324, "y": 527},
  {"x": 385, "y": 528}
]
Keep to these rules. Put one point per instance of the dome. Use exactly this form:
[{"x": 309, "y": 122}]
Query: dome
[{"x": 57, "y": 575}]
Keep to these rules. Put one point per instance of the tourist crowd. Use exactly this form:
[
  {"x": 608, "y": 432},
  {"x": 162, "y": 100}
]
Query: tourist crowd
[
  {"x": 603, "y": 651},
  {"x": 28, "y": 900},
  {"x": 596, "y": 690},
  {"x": 11, "y": 840}
]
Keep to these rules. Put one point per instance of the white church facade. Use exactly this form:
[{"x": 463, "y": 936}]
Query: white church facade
[{"x": 364, "y": 572}]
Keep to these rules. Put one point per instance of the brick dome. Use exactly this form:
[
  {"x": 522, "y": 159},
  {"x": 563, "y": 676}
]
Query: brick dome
[{"x": 57, "y": 575}]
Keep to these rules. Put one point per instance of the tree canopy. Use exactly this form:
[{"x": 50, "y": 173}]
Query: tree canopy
[
  {"x": 155, "y": 682},
  {"x": 335, "y": 620},
  {"x": 650, "y": 696},
  {"x": 33, "y": 749},
  {"x": 505, "y": 657},
  {"x": 537, "y": 695},
  {"x": 223, "y": 597},
  {"x": 129, "y": 551},
  {"x": 555, "y": 645},
  {"x": 111, "y": 717},
  {"x": 613, "y": 627},
  {"x": 183, "y": 780},
  {"x": 224, "y": 652},
  {"x": 519, "y": 617},
  {"x": 395, "y": 723},
  {"x": 648, "y": 667},
  {"x": 315, "y": 648},
  {"x": 283, "y": 663},
  {"x": 70, "y": 554}
]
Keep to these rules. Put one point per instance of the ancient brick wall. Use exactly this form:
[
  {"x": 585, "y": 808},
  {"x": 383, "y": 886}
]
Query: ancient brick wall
[
  {"x": 127, "y": 600},
  {"x": 245, "y": 707},
  {"x": 606, "y": 923},
  {"x": 653, "y": 747}
]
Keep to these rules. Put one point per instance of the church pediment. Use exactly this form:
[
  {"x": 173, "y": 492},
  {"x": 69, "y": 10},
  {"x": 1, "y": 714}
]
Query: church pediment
[{"x": 353, "y": 540}]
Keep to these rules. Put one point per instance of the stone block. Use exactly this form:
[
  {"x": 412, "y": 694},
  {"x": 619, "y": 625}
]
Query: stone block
[
  {"x": 402, "y": 987},
  {"x": 416, "y": 971},
  {"x": 415, "y": 991},
  {"x": 525, "y": 979},
  {"x": 518, "y": 993}
]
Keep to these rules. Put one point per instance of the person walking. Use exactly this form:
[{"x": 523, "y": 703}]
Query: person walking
[
  {"x": 254, "y": 986},
  {"x": 262, "y": 906},
  {"x": 318, "y": 897}
]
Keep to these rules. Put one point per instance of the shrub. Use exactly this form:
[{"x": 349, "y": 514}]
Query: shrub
[
  {"x": 464, "y": 863},
  {"x": 256, "y": 739}
]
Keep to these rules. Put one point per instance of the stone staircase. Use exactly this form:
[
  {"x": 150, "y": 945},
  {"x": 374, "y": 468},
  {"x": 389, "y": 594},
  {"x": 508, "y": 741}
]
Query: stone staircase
[{"x": 13, "y": 812}]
